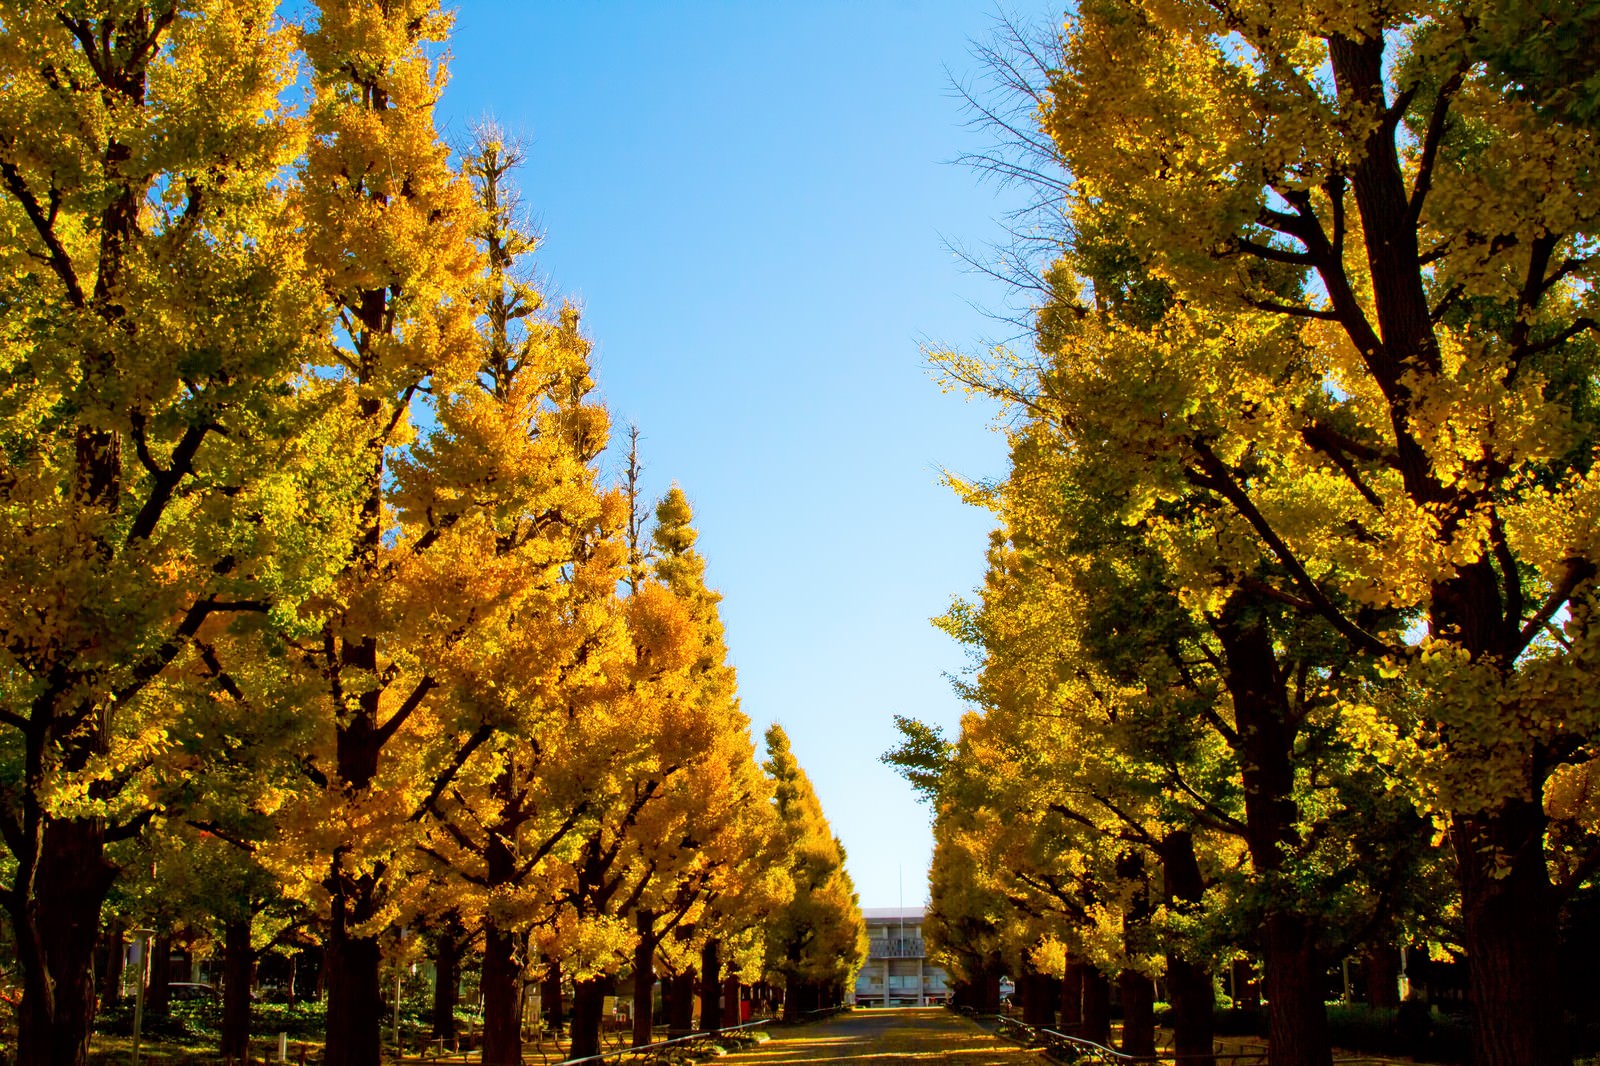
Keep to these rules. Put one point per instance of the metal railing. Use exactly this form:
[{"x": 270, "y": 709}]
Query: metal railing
[
  {"x": 647, "y": 1051},
  {"x": 1077, "y": 1049}
]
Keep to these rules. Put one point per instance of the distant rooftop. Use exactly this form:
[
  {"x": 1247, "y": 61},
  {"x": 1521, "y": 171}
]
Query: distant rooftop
[{"x": 908, "y": 913}]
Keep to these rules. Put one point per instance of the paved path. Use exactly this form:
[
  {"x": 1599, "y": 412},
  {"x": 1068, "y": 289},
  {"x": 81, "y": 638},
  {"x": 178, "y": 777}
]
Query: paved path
[{"x": 889, "y": 1036}]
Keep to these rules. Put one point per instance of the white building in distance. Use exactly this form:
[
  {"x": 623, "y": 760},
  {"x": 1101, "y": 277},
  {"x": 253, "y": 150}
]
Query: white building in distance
[{"x": 897, "y": 972}]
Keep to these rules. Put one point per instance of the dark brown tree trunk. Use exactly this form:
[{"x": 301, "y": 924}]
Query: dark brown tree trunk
[
  {"x": 1510, "y": 917},
  {"x": 1071, "y": 999},
  {"x": 681, "y": 1020},
  {"x": 644, "y": 979},
  {"x": 447, "y": 949},
  {"x": 1297, "y": 1020},
  {"x": 588, "y": 1005},
  {"x": 1193, "y": 1011},
  {"x": 1188, "y": 984},
  {"x": 1039, "y": 995},
  {"x": 989, "y": 990},
  {"x": 502, "y": 999},
  {"x": 710, "y": 985},
  {"x": 238, "y": 960},
  {"x": 1096, "y": 1007},
  {"x": 731, "y": 986},
  {"x": 1381, "y": 976},
  {"x": 113, "y": 949},
  {"x": 1297, "y": 1023},
  {"x": 355, "y": 996},
  {"x": 56, "y": 921},
  {"x": 158, "y": 992},
  {"x": 1138, "y": 1013},
  {"x": 550, "y": 992}
]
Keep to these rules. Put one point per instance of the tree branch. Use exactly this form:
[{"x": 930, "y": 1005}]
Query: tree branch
[{"x": 1219, "y": 479}]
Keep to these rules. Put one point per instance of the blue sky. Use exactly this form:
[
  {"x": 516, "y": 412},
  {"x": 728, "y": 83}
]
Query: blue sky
[{"x": 752, "y": 204}]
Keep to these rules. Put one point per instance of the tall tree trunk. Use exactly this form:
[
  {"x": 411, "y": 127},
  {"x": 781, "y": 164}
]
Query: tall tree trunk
[
  {"x": 1381, "y": 975},
  {"x": 710, "y": 985},
  {"x": 238, "y": 960},
  {"x": 1297, "y": 1019},
  {"x": 158, "y": 992},
  {"x": 1096, "y": 1006},
  {"x": 682, "y": 1018},
  {"x": 355, "y": 996},
  {"x": 447, "y": 949},
  {"x": 550, "y": 992},
  {"x": 355, "y": 992},
  {"x": 730, "y": 1000},
  {"x": 1297, "y": 1022},
  {"x": 1138, "y": 1013},
  {"x": 644, "y": 979},
  {"x": 502, "y": 998},
  {"x": 588, "y": 1006},
  {"x": 1511, "y": 936},
  {"x": 114, "y": 945},
  {"x": 56, "y": 921},
  {"x": 1188, "y": 983},
  {"x": 1039, "y": 995},
  {"x": 989, "y": 989},
  {"x": 1071, "y": 998}
]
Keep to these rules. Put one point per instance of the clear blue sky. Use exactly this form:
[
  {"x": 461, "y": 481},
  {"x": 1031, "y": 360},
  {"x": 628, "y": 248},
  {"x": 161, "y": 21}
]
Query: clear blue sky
[{"x": 751, "y": 202}]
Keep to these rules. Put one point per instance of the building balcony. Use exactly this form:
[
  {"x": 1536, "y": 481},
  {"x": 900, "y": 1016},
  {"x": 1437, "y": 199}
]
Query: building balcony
[{"x": 906, "y": 948}]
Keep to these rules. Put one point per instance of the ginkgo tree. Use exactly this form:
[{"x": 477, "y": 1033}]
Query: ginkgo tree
[
  {"x": 158, "y": 313},
  {"x": 1371, "y": 230},
  {"x": 816, "y": 942},
  {"x": 508, "y": 474},
  {"x": 1380, "y": 363}
]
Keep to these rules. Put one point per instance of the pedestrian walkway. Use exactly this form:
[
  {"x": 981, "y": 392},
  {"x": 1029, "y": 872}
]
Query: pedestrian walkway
[{"x": 888, "y": 1037}]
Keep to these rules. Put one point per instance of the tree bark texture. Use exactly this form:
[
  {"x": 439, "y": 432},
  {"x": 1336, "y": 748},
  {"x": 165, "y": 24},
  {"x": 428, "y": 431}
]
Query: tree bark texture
[
  {"x": 1297, "y": 1024},
  {"x": 502, "y": 998},
  {"x": 158, "y": 990},
  {"x": 1039, "y": 995},
  {"x": 550, "y": 997},
  {"x": 588, "y": 1005},
  {"x": 710, "y": 985},
  {"x": 1096, "y": 1006},
  {"x": 1188, "y": 984},
  {"x": 1071, "y": 1005},
  {"x": 644, "y": 979},
  {"x": 238, "y": 963},
  {"x": 1511, "y": 933},
  {"x": 1381, "y": 976},
  {"x": 1138, "y": 1013},
  {"x": 110, "y": 962},
  {"x": 681, "y": 1019},
  {"x": 447, "y": 948},
  {"x": 56, "y": 922},
  {"x": 355, "y": 997}
]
